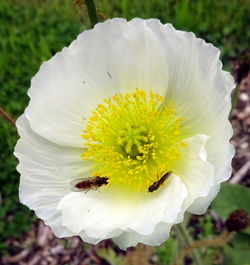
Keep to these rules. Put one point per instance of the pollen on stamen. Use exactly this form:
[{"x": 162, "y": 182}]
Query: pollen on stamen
[{"x": 131, "y": 138}]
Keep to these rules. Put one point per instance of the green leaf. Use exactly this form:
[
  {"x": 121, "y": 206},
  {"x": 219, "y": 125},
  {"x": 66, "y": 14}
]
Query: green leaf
[
  {"x": 238, "y": 251},
  {"x": 230, "y": 198},
  {"x": 239, "y": 257},
  {"x": 91, "y": 12},
  {"x": 110, "y": 256},
  {"x": 241, "y": 241},
  {"x": 167, "y": 252}
]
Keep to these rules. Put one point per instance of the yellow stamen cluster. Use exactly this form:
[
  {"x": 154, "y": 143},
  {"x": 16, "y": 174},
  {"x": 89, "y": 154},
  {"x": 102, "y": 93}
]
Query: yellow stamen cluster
[{"x": 133, "y": 138}]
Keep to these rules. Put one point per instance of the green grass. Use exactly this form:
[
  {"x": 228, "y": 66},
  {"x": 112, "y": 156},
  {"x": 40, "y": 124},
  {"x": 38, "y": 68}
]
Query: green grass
[
  {"x": 222, "y": 22},
  {"x": 33, "y": 31}
]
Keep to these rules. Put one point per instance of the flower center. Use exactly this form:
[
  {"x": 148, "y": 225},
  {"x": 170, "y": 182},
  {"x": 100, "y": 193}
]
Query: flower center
[{"x": 133, "y": 139}]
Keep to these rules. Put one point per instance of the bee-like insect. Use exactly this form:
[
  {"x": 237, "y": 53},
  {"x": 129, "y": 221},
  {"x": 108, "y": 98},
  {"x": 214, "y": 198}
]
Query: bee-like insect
[
  {"x": 156, "y": 185},
  {"x": 88, "y": 183}
]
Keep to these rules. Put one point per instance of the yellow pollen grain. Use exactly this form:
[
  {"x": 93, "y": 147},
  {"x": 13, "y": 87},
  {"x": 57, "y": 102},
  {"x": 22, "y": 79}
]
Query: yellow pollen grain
[{"x": 133, "y": 138}]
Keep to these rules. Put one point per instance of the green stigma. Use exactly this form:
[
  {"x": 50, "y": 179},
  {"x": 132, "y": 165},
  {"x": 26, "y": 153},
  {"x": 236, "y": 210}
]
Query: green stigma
[{"x": 133, "y": 139}]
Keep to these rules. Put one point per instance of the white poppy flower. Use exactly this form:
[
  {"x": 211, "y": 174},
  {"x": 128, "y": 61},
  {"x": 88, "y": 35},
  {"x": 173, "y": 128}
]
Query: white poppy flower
[{"x": 132, "y": 102}]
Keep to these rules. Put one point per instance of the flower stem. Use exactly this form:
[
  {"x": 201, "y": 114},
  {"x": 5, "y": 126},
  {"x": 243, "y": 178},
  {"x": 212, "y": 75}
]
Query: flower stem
[
  {"x": 234, "y": 100},
  {"x": 7, "y": 117},
  {"x": 219, "y": 240},
  {"x": 91, "y": 12},
  {"x": 182, "y": 230}
]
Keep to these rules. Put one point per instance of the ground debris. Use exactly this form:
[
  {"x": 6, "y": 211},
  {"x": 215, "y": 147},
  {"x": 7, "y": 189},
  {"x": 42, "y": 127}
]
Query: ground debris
[
  {"x": 41, "y": 247},
  {"x": 241, "y": 120}
]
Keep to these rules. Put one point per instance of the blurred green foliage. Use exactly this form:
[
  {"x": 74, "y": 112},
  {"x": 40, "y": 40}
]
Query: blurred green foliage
[
  {"x": 237, "y": 252},
  {"x": 166, "y": 253},
  {"x": 110, "y": 256},
  {"x": 33, "y": 31},
  {"x": 230, "y": 198},
  {"x": 222, "y": 22}
]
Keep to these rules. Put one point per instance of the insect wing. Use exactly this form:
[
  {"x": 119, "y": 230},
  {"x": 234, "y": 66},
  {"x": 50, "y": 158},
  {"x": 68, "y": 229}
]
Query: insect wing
[
  {"x": 165, "y": 177},
  {"x": 157, "y": 184},
  {"x": 74, "y": 182}
]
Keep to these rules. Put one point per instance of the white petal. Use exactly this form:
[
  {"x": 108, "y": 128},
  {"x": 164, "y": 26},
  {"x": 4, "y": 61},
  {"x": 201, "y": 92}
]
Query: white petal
[
  {"x": 116, "y": 56},
  {"x": 46, "y": 171},
  {"x": 119, "y": 56},
  {"x": 108, "y": 213},
  {"x": 194, "y": 170},
  {"x": 200, "y": 205},
  {"x": 161, "y": 233},
  {"x": 200, "y": 90}
]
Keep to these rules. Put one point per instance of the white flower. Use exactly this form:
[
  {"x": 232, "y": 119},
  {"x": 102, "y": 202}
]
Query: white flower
[{"x": 129, "y": 101}]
